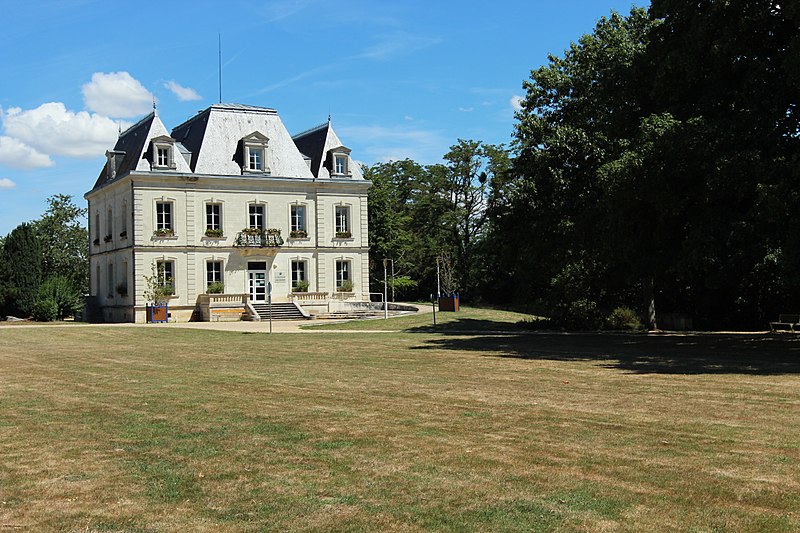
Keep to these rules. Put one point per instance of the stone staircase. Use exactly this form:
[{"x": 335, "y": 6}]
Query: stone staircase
[{"x": 280, "y": 311}]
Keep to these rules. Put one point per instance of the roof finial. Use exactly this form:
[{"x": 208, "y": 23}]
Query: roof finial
[
  {"x": 119, "y": 128},
  {"x": 154, "y": 103},
  {"x": 329, "y": 117}
]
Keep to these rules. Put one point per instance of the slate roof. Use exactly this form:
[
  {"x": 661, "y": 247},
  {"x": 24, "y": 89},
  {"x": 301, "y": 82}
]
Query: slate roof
[
  {"x": 311, "y": 143},
  {"x": 211, "y": 143},
  {"x": 214, "y": 137},
  {"x": 316, "y": 143},
  {"x": 133, "y": 142}
]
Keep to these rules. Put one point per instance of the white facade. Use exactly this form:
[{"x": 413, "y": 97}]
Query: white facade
[{"x": 163, "y": 200}]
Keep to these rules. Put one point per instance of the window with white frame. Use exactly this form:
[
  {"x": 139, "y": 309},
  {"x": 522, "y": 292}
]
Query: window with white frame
[
  {"x": 297, "y": 221},
  {"x": 343, "y": 281},
  {"x": 166, "y": 274},
  {"x": 123, "y": 219},
  {"x": 254, "y": 153},
  {"x": 257, "y": 216},
  {"x": 110, "y": 279},
  {"x": 340, "y": 161},
  {"x": 163, "y": 153},
  {"x": 342, "y": 221},
  {"x": 213, "y": 217},
  {"x": 109, "y": 224},
  {"x": 97, "y": 280},
  {"x": 299, "y": 275},
  {"x": 164, "y": 216},
  {"x": 213, "y": 272},
  {"x": 340, "y": 164}
]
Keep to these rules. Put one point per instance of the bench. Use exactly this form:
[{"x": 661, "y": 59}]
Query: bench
[
  {"x": 220, "y": 313},
  {"x": 785, "y": 322}
]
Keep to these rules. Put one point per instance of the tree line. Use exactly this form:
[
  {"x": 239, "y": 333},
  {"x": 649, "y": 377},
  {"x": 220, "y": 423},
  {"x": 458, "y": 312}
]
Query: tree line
[
  {"x": 654, "y": 167},
  {"x": 44, "y": 268}
]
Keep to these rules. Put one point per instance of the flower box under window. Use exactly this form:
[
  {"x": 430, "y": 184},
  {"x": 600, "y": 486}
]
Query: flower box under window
[
  {"x": 123, "y": 234},
  {"x": 96, "y": 242},
  {"x": 215, "y": 233},
  {"x": 343, "y": 235},
  {"x": 164, "y": 232},
  {"x": 298, "y": 234},
  {"x": 107, "y": 238}
]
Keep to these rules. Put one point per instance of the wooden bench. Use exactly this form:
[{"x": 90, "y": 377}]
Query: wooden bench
[
  {"x": 224, "y": 312},
  {"x": 785, "y": 322}
]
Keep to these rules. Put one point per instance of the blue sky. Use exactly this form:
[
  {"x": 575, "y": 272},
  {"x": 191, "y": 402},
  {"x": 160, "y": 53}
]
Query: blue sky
[{"x": 400, "y": 79}]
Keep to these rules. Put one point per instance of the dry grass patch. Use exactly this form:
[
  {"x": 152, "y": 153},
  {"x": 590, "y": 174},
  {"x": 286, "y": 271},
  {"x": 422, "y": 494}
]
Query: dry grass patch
[{"x": 140, "y": 429}]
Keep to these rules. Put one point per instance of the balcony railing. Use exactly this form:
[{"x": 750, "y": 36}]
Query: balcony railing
[{"x": 255, "y": 238}]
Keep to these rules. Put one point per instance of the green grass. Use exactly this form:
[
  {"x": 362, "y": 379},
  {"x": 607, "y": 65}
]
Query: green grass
[
  {"x": 165, "y": 429},
  {"x": 468, "y": 319}
]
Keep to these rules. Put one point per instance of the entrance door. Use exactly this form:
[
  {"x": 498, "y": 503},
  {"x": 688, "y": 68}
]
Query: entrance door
[{"x": 257, "y": 284}]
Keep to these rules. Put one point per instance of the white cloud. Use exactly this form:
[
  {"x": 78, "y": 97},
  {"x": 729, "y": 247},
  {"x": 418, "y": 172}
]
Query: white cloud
[
  {"x": 19, "y": 155},
  {"x": 52, "y": 129},
  {"x": 396, "y": 44},
  {"x": 6, "y": 183},
  {"x": 116, "y": 94},
  {"x": 184, "y": 94},
  {"x": 466, "y": 109},
  {"x": 516, "y": 102}
]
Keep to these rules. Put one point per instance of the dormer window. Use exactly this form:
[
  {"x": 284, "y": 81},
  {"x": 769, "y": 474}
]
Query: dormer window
[
  {"x": 340, "y": 162},
  {"x": 163, "y": 155},
  {"x": 254, "y": 154}
]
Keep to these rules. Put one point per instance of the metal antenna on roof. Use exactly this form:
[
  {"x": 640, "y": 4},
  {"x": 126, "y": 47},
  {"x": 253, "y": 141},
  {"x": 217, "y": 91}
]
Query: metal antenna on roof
[
  {"x": 119, "y": 128},
  {"x": 219, "y": 46}
]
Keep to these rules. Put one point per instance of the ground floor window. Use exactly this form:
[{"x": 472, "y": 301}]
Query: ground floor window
[
  {"x": 214, "y": 283},
  {"x": 299, "y": 280},
  {"x": 166, "y": 274},
  {"x": 343, "y": 281},
  {"x": 110, "y": 280}
]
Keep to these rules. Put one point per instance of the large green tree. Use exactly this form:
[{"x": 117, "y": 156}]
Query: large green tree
[
  {"x": 64, "y": 241},
  {"x": 20, "y": 271},
  {"x": 659, "y": 156}
]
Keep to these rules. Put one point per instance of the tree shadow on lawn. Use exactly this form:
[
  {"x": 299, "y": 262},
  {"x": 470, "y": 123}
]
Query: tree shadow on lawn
[{"x": 699, "y": 353}]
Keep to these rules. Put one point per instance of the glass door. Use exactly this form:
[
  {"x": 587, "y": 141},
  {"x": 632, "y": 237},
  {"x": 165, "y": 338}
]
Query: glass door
[{"x": 257, "y": 283}]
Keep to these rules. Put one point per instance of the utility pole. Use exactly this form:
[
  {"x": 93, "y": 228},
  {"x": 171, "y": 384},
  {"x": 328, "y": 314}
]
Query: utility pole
[
  {"x": 392, "y": 260},
  {"x": 385, "y": 291}
]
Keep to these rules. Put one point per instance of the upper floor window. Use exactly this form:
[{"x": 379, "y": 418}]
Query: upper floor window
[
  {"x": 163, "y": 152},
  {"x": 254, "y": 153},
  {"x": 123, "y": 220},
  {"x": 257, "y": 216},
  {"x": 164, "y": 216},
  {"x": 213, "y": 217},
  {"x": 340, "y": 165},
  {"x": 297, "y": 222},
  {"x": 342, "y": 222},
  {"x": 340, "y": 161}
]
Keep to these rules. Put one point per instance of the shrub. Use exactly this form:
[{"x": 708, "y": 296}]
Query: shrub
[
  {"x": 623, "y": 318},
  {"x": 60, "y": 290},
  {"x": 300, "y": 286},
  {"x": 215, "y": 287},
  {"x": 45, "y": 310},
  {"x": 346, "y": 286}
]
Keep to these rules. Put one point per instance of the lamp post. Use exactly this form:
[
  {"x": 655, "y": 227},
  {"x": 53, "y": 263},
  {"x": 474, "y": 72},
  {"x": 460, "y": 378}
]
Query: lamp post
[{"x": 385, "y": 292}]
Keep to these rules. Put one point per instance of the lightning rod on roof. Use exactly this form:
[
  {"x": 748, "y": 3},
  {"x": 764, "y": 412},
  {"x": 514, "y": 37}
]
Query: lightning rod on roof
[{"x": 219, "y": 46}]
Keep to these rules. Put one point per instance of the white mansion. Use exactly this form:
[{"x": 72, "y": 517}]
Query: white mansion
[{"x": 227, "y": 198}]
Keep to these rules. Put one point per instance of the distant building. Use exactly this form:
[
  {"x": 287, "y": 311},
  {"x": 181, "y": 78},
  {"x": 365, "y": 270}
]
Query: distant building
[{"x": 228, "y": 197}]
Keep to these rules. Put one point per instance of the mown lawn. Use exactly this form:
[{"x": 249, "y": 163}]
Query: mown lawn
[{"x": 145, "y": 429}]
